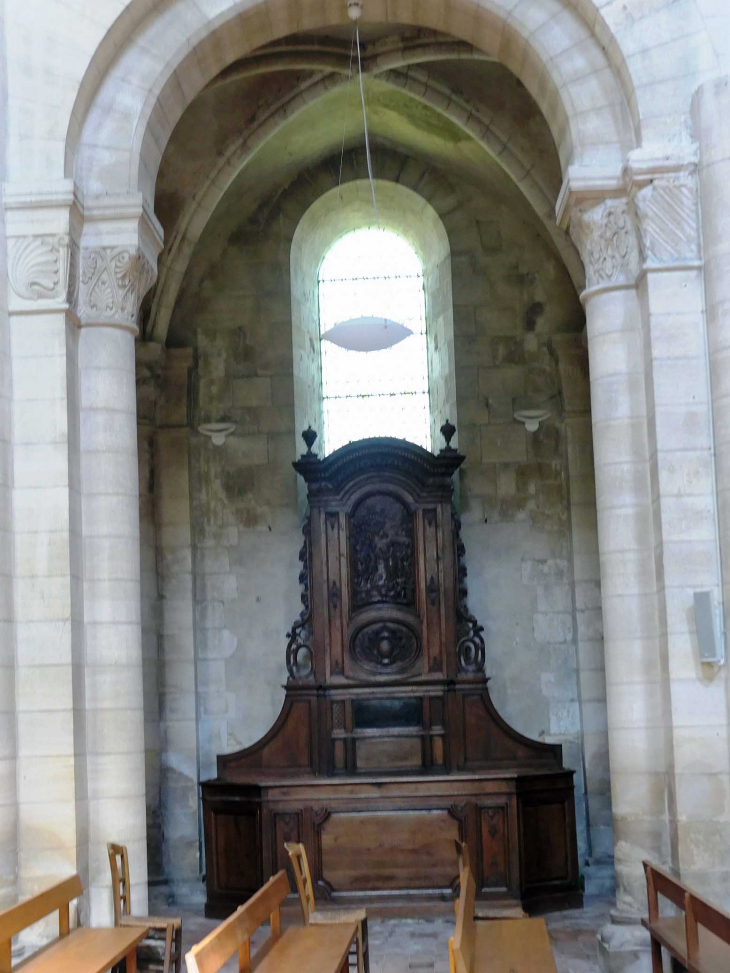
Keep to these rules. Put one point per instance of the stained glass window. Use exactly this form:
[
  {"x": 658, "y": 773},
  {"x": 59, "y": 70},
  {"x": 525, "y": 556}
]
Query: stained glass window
[{"x": 374, "y": 272}]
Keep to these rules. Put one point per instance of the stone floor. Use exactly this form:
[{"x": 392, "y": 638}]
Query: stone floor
[{"x": 420, "y": 945}]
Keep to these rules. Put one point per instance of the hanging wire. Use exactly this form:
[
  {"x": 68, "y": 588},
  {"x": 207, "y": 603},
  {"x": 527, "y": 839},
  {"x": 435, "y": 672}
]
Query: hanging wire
[
  {"x": 347, "y": 102},
  {"x": 365, "y": 122}
]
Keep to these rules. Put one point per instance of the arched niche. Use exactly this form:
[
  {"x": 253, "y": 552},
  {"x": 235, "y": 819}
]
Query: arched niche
[{"x": 350, "y": 207}]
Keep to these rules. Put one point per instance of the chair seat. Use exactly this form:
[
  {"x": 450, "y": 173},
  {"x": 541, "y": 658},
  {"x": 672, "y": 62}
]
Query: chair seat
[
  {"x": 336, "y": 916},
  {"x": 152, "y": 922}
]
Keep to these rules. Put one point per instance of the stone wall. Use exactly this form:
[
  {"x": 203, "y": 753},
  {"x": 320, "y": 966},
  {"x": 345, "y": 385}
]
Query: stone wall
[
  {"x": 8, "y": 825},
  {"x": 527, "y": 500}
]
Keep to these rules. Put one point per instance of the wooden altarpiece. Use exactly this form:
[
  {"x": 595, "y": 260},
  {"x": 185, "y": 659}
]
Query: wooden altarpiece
[{"x": 388, "y": 746}]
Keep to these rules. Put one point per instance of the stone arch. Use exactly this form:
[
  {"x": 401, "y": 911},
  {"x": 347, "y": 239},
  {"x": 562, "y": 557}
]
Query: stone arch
[
  {"x": 120, "y": 127},
  {"x": 502, "y": 143},
  {"x": 409, "y": 214}
]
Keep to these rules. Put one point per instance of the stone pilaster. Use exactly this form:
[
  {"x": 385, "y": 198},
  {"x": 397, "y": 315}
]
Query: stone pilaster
[
  {"x": 664, "y": 194},
  {"x": 119, "y": 248},
  {"x": 179, "y": 700},
  {"x": 43, "y": 230}
]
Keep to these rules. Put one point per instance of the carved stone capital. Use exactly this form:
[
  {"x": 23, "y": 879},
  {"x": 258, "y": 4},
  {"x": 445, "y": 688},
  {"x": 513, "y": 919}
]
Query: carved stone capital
[
  {"x": 667, "y": 212},
  {"x": 113, "y": 283},
  {"x": 43, "y": 271},
  {"x": 606, "y": 237}
]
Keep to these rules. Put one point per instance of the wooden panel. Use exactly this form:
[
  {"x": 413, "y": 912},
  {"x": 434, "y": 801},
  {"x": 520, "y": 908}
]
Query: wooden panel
[
  {"x": 32, "y": 910},
  {"x": 87, "y": 951},
  {"x": 545, "y": 852},
  {"x": 513, "y": 946},
  {"x": 313, "y": 949},
  {"x": 437, "y": 751},
  {"x": 236, "y": 865},
  {"x": 495, "y": 847},
  {"x": 286, "y": 826},
  {"x": 388, "y": 850},
  {"x": 335, "y": 595},
  {"x": 433, "y": 650},
  {"x": 389, "y": 753}
]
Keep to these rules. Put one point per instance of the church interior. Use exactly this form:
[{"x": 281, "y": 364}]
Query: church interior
[{"x": 363, "y": 464}]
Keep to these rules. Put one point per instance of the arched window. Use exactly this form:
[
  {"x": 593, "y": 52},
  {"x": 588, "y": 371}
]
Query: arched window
[{"x": 374, "y": 272}]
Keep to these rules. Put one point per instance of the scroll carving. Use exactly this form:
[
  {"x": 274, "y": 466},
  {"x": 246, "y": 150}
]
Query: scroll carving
[
  {"x": 668, "y": 219},
  {"x": 470, "y": 649},
  {"x": 382, "y": 553},
  {"x": 385, "y": 647},
  {"x": 606, "y": 237},
  {"x": 114, "y": 280},
  {"x": 299, "y": 655}
]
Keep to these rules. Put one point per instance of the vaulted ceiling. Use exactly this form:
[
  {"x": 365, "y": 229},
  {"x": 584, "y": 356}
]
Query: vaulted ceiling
[{"x": 273, "y": 115}]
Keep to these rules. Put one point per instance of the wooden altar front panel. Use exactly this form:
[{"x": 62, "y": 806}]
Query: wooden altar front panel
[{"x": 393, "y": 838}]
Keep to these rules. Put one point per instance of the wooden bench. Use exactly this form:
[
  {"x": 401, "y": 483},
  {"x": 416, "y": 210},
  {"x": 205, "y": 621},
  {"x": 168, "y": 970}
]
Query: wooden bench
[
  {"x": 699, "y": 940},
  {"x": 75, "y": 951},
  {"x": 304, "y": 949},
  {"x": 499, "y": 946},
  {"x": 486, "y": 910}
]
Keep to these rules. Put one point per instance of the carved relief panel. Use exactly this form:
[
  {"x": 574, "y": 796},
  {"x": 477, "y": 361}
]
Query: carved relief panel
[{"x": 382, "y": 553}]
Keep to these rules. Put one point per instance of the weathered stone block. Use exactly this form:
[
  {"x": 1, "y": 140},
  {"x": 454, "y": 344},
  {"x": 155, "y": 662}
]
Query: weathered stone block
[
  {"x": 539, "y": 571},
  {"x": 249, "y": 392},
  {"x": 552, "y": 626},
  {"x": 503, "y": 443}
]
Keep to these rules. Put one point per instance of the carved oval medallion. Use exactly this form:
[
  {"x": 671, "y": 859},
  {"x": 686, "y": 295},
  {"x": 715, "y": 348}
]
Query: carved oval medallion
[{"x": 385, "y": 647}]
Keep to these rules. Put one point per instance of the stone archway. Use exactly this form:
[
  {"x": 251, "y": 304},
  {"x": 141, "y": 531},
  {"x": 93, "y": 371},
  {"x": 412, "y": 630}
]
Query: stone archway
[{"x": 112, "y": 150}]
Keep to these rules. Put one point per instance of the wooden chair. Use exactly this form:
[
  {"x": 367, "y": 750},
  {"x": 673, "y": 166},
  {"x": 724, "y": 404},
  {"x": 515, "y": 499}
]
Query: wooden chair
[
  {"x": 308, "y": 949},
  {"x": 495, "y": 910},
  {"x": 699, "y": 940},
  {"x": 509, "y": 946},
  {"x": 162, "y": 947},
  {"x": 310, "y": 915},
  {"x": 77, "y": 950}
]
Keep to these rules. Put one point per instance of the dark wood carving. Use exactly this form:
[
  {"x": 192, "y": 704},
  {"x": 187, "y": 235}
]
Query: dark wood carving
[
  {"x": 382, "y": 553},
  {"x": 299, "y": 649},
  {"x": 388, "y": 745},
  {"x": 385, "y": 647}
]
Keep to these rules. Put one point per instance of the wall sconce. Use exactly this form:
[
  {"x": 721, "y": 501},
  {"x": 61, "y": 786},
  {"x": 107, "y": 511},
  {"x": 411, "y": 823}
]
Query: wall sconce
[
  {"x": 532, "y": 414},
  {"x": 217, "y": 431}
]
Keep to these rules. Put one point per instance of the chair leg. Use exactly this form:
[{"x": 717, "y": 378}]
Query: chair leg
[
  {"x": 178, "y": 949},
  {"x": 168, "y": 948},
  {"x": 365, "y": 945}
]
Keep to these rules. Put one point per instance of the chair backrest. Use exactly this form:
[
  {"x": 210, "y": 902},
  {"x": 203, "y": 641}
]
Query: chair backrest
[
  {"x": 462, "y": 854},
  {"x": 19, "y": 917},
  {"x": 659, "y": 882},
  {"x": 464, "y": 936},
  {"x": 234, "y": 933},
  {"x": 119, "y": 864},
  {"x": 303, "y": 877},
  {"x": 701, "y": 913}
]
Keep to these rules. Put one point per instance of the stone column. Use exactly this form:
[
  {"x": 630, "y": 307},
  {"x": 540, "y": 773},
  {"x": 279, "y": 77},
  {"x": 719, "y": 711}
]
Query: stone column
[
  {"x": 42, "y": 234},
  {"x": 605, "y": 235},
  {"x": 120, "y": 244}
]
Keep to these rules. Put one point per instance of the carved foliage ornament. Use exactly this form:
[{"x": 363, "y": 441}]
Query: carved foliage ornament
[
  {"x": 606, "y": 237},
  {"x": 299, "y": 655},
  {"x": 114, "y": 281},
  {"x": 669, "y": 220},
  {"x": 44, "y": 268}
]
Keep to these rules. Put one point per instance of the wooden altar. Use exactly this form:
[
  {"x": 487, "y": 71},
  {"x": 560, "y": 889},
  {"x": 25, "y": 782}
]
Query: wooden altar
[{"x": 388, "y": 746}]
